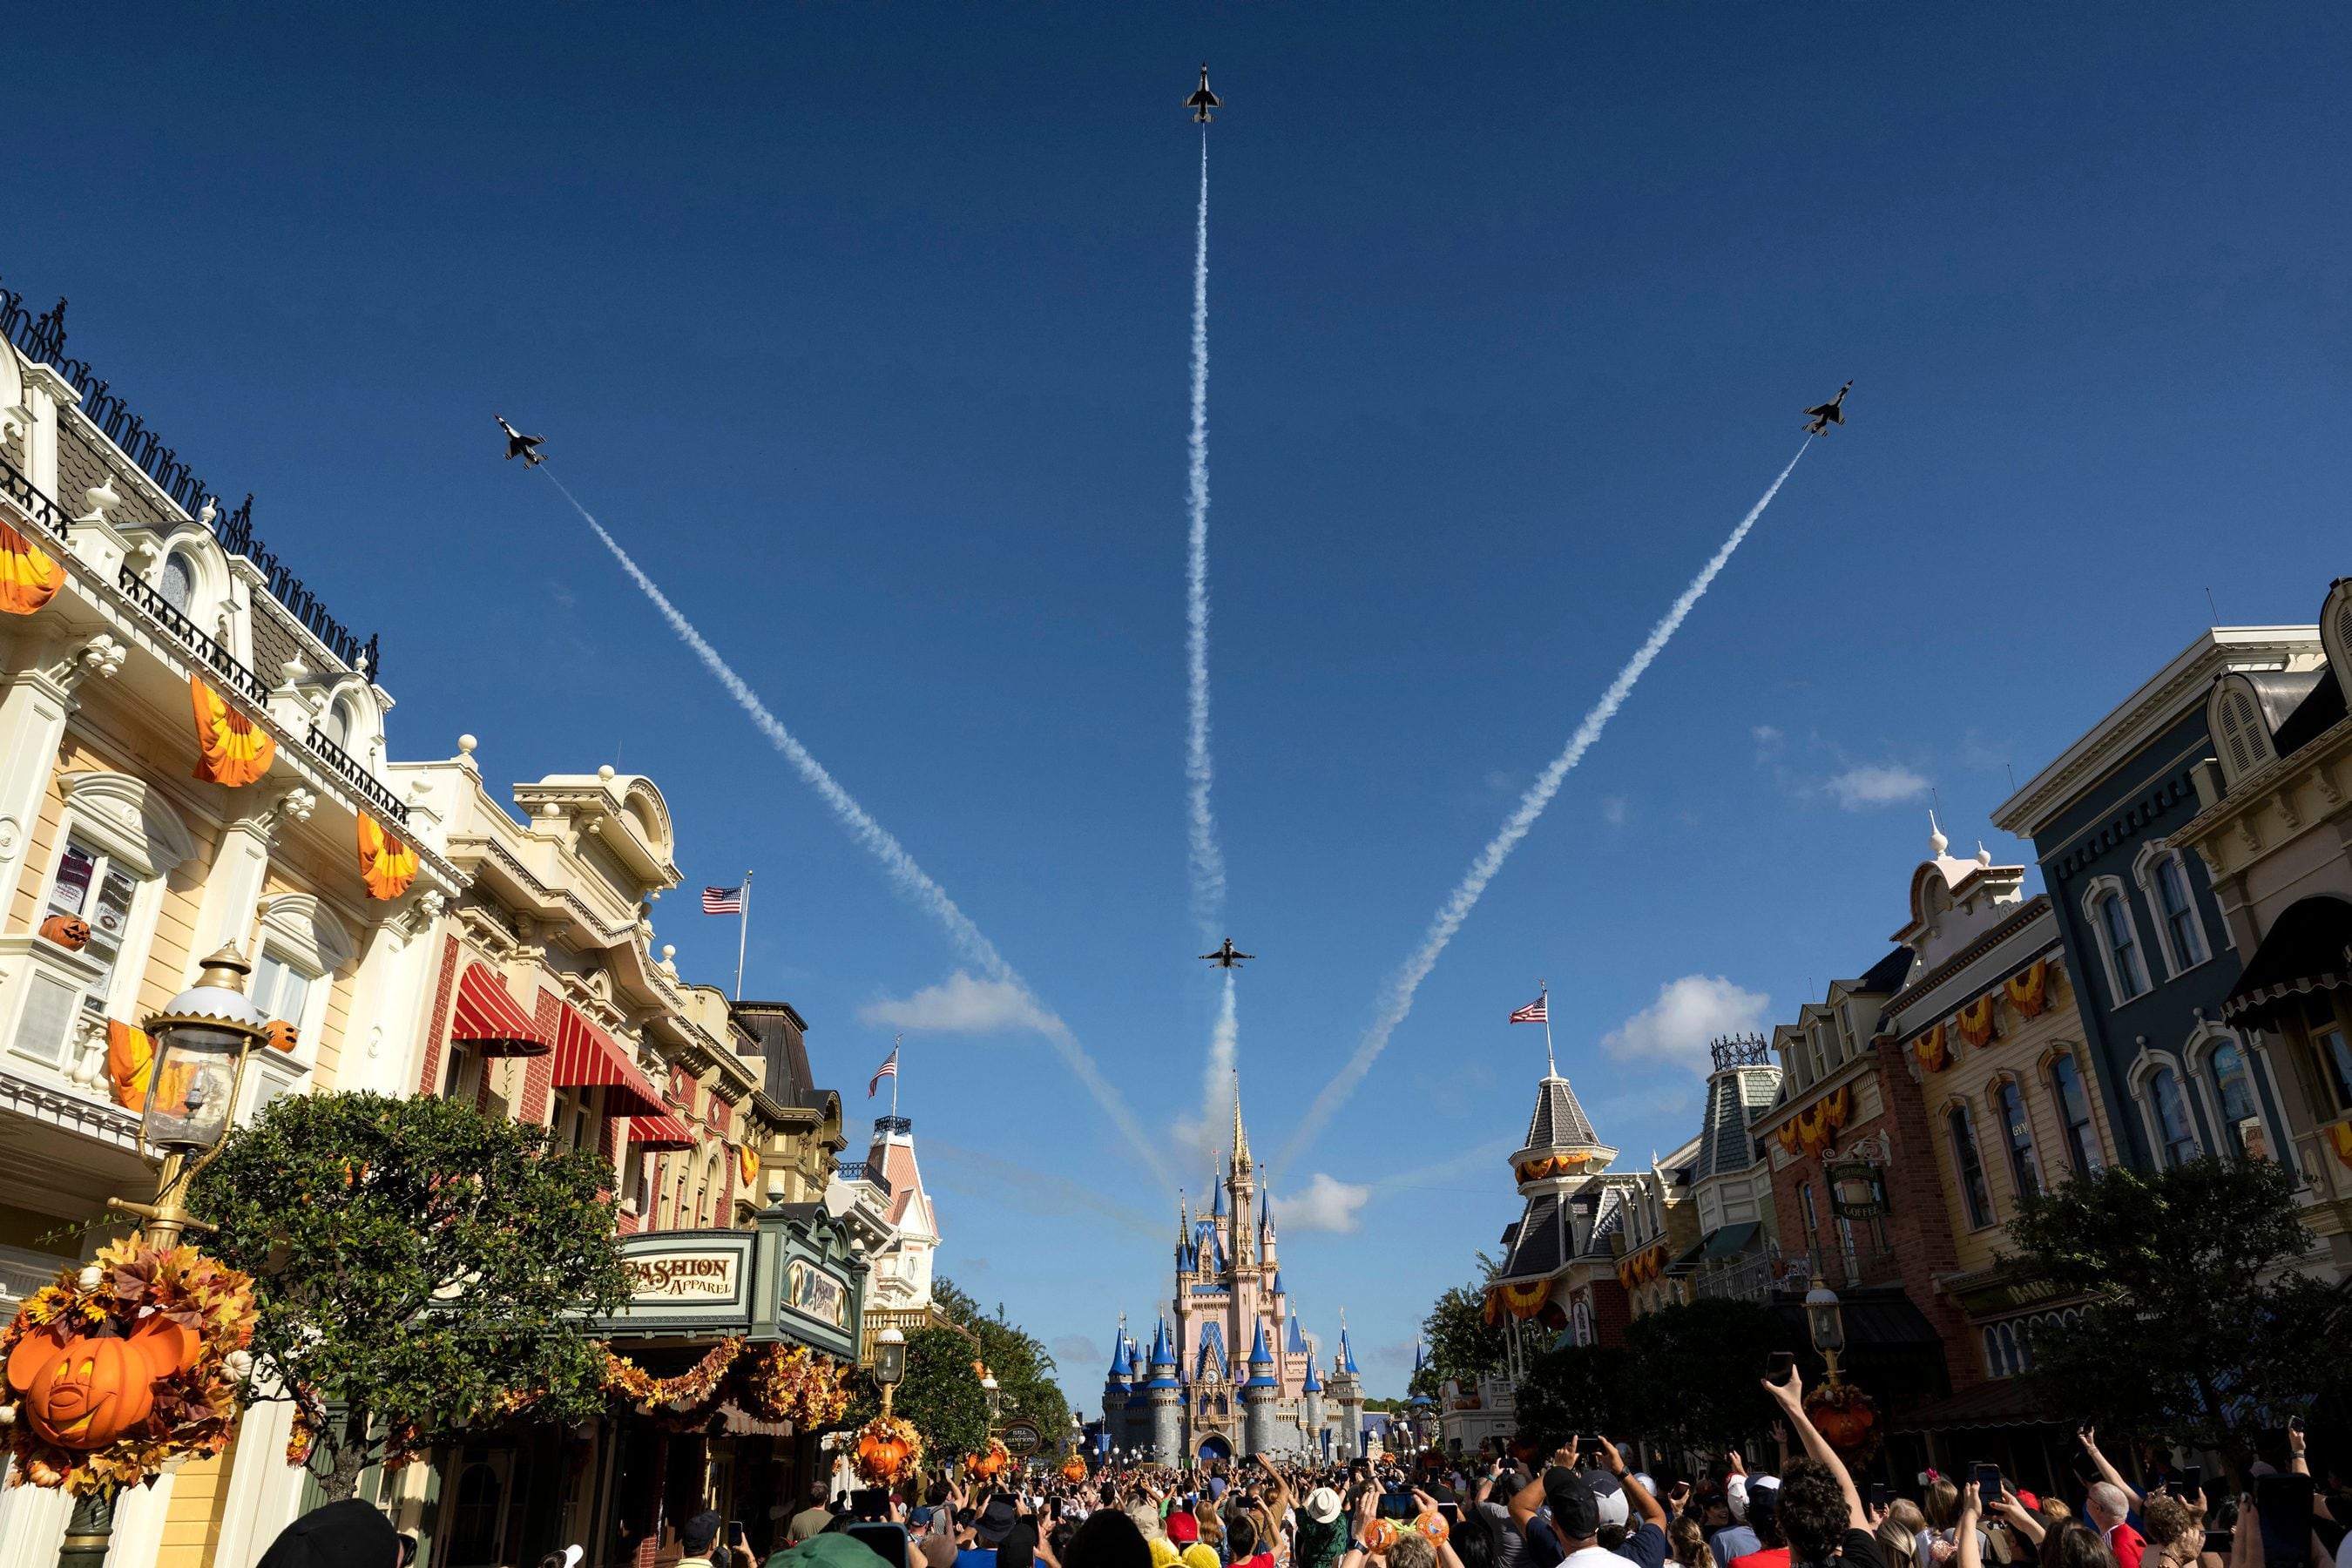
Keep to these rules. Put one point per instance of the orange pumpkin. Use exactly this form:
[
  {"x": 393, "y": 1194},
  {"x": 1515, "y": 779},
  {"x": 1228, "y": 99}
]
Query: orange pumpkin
[
  {"x": 1074, "y": 1469},
  {"x": 1432, "y": 1524},
  {"x": 883, "y": 1452},
  {"x": 69, "y": 931},
  {"x": 86, "y": 1392},
  {"x": 282, "y": 1035},
  {"x": 1378, "y": 1536}
]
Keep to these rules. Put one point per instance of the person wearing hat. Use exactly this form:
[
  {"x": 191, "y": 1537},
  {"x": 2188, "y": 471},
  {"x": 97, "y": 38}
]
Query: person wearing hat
[
  {"x": 346, "y": 1534},
  {"x": 1322, "y": 1534},
  {"x": 989, "y": 1528}
]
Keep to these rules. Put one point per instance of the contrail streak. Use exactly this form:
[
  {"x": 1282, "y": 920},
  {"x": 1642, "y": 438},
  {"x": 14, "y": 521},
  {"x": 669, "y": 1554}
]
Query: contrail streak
[
  {"x": 910, "y": 879},
  {"x": 1398, "y": 1000},
  {"x": 1206, "y": 857}
]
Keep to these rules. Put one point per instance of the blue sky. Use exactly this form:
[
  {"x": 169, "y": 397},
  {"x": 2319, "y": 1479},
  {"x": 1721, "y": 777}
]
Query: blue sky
[{"x": 865, "y": 328}]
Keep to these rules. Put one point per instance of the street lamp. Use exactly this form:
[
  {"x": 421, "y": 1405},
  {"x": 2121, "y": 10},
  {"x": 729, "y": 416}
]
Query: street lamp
[
  {"x": 1825, "y": 1321},
  {"x": 889, "y": 1362},
  {"x": 995, "y": 1399}
]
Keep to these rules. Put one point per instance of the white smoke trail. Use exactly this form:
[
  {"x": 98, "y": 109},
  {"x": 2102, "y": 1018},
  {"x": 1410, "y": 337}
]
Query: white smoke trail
[
  {"x": 1206, "y": 857},
  {"x": 1398, "y": 1000},
  {"x": 911, "y": 880}
]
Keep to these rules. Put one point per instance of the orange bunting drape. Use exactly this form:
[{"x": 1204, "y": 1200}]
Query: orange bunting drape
[
  {"x": 386, "y": 864},
  {"x": 1522, "y": 1300},
  {"x": 2029, "y": 993},
  {"x": 747, "y": 1160},
  {"x": 1976, "y": 1020},
  {"x": 231, "y": 748},
  {"x": 29, "y": 576},
  {"x": 2339, "y": 1138},
  {"x": 1787, "y": 1135},
  {"x": 1935, "y": 1053},
  {"x": 129, "y": 1053},
  {"x": 1816, "y": 1127}
]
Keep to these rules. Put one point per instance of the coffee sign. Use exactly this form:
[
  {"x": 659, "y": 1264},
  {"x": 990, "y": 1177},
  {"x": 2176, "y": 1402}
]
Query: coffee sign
[
  {"x": 812, "y": 1292},
  {"x": 684, "y": 1276}
]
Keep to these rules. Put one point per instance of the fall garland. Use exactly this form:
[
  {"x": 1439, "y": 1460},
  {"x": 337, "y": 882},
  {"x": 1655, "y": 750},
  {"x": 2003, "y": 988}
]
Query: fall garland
[
  {"x": 805, "y": 1387},
  {"x": 168, "y": 1328},
  {"x": 694, "y": 1386}
]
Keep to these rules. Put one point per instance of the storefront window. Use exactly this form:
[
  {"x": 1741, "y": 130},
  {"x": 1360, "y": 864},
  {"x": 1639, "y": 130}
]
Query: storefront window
[
  {"x": 2172, "y": 1117},
  {"x": 2074, "y": 1110}
]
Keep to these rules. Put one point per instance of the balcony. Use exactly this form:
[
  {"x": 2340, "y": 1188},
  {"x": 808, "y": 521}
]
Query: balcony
[
  {"x": 866, "y": 1171},
  {"x": 365, "y": 784},
  {"x": 37, "y": 508},
  {"x": 223, "y": 663}
]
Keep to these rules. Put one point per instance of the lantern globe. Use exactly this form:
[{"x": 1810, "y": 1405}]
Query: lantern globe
[
  {"x": 1826, "y": 1319},
  {"x": 201, "y": 1039}
]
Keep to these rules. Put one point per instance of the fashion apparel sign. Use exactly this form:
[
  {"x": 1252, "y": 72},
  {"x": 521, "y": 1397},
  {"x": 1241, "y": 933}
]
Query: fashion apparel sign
[{"x": 685, "y": 1276}]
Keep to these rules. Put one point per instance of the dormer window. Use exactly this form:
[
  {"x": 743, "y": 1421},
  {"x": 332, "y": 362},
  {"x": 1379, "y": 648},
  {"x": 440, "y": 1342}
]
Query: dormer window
[
  {"x": 179, "y": 584},
  {"x": 339, "y": 725},
  {"x": 2242, "y": 735}
]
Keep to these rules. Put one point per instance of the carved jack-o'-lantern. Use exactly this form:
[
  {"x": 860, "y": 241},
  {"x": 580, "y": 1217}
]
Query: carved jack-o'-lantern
[
  {"x": 86, "y": 1392},
  {"x": 69, "y": 931},
  {"x": 885, "y": 1449},
  {"x": 1846, "y": 1416},
  {"x": 282, "y": 1035}
]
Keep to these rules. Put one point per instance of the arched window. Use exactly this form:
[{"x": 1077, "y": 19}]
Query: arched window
[
  {"x": 2017, "y": 1133},
  {"x": 2184, "y": 933},
  {"x": 2119, "y": 942},
  {"x": 339, "y": 725},
  {"x": 179, "y": 580},
  {"x": 1969, "y": 1167},
  {"x": 2178, "y": 1133},
  {"x": 2074, "y": 1110},
  {"x": 2233, "y": 1086}
]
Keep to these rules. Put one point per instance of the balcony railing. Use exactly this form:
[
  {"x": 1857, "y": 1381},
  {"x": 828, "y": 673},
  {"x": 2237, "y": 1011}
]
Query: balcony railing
[
  {"x": 369, "y": 786},
  {"x": 864, "y": 1170},
  {"x": 43, "y": 339},
  {"x": 223, "y": 663},
  {"x": 30, "y": 500}
]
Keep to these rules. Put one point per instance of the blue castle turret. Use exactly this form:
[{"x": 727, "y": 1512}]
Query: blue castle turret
[
  {"x": 1166, "y": 1397},
  {"x": 1258, "y": 1397},
  {"x": 1310, "y": 1401},
  {"x": 1347, "y": 1392}
]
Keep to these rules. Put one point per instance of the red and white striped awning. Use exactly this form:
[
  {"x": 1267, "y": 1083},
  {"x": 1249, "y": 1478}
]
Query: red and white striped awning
[
  {"x": 488, "y": 1016},
  {"x": 588, "y": 1057},
  {"x": 659, "y": 1132}
]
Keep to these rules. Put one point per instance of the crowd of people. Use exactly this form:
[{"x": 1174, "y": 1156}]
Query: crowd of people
[{"x": 1587, "y": 1508}]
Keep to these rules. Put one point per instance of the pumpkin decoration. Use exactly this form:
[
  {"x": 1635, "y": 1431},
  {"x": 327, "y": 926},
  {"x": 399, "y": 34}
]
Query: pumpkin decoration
[
  {"x": 1074, "y": 1469},
  {"x": 1378, "y": 1536},
  {"x": 85, "y": 1393},
  {"x": 1432, "y": 1524},
  {"x": 1846, "y": 1415},
  {"x": 284, "y": 1036},
  {"x": 69, "y": 931},
  {"x": 991, "y": 1462},
  {"x": 888, "y": 1448}
]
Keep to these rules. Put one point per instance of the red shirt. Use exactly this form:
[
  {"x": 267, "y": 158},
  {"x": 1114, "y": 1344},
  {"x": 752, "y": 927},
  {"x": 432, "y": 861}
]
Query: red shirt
[
  {"x": 1776, "y": 1557},
  {"x": 2129, "y": 1544}
]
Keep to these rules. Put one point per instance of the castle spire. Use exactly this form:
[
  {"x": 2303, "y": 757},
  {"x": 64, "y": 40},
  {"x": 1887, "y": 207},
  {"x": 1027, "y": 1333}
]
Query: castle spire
[{"x": 1241, "y": 1138}]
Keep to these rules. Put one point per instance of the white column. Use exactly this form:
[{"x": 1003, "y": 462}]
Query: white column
[
  {"x": 388, "y": 996},
  {"x": 32, "y": 1525},
  {"x": 33, "y": 709},
  {"x": 264, "y": 1491},
  {"x": 44, "y": 390},
  {"x": 233, "y": 891},
  {"x": 139, "y": 1516}
]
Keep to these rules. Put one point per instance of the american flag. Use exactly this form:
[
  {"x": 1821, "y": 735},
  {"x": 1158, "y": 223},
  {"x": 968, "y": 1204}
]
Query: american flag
[
  {"x": 888, "y": 1070},
  {"x": 723, "y": 900},
  {"x": 1534, "y": 1012}
]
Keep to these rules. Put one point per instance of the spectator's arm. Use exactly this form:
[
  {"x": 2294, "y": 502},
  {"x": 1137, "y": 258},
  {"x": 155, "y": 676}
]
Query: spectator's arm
[
  {"x": 1635, "y": 1493},
  {"x": 2089, "y": 1438},
  {"x": 2020, "y": 1519},
  {"x": 1790, "y": 1398},
  {"x": 2296, "y": 1463},
  {"x": 1966, "y": 1538}
]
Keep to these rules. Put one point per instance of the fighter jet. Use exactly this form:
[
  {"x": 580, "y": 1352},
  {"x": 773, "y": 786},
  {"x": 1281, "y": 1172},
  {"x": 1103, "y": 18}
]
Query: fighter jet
[
  {"x": 1204, "y": 101},
  {"x": 1825, "y": 415},
  {"x": 1225, "y": 957},
  {"x": 519, "y": 444}
]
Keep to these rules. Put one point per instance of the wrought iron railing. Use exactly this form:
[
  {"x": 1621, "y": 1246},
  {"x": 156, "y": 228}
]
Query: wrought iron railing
[
  {"x": 43, "y": 339},
  {"x": 29, "y": 499},
  {"x": 223, "y": 663},
  {"x": 894, "y": 1124},
  {"x": 358, "y": 777},
  {"x": 864, "y": 1170}
]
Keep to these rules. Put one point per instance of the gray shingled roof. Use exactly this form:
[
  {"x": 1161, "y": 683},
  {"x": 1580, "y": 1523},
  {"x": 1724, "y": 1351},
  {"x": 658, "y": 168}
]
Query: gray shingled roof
[
  {"x": 1538, "y": 1249},
  {"x": 1559, "y": 1121},
  {"x": 1733, "y": 1099}
]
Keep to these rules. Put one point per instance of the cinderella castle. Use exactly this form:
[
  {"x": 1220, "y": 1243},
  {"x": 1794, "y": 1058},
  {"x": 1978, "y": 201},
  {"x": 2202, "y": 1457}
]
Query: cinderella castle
[{"x": 1235, "y": 1373}]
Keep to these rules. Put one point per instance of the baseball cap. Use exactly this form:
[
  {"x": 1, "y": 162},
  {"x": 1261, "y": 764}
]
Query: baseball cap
[
  {"x": 1608, "y": 1496},
  {"x": 1182, "y": 1528},
  {"x": 1575, "y": 1512}
]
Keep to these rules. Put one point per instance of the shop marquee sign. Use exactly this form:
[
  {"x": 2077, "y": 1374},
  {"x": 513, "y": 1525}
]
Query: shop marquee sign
[{"x": 685, "y": 1276}]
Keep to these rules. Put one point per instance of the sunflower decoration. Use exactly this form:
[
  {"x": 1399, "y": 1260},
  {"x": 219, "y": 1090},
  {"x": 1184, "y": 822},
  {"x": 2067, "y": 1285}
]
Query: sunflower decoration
[{"x": 120, "y": 1367}]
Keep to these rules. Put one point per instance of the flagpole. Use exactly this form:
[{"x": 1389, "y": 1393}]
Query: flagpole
[
  {"x": 743, "y": 935},
  {"x": 896, "y": 1040},
  {"x": 1552, "y": 1064}
]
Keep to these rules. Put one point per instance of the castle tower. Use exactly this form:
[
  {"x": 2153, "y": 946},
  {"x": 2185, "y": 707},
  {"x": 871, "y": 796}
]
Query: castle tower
[
  {"x": 1258, "y": 1397},
  {"x": 1347, "y": 1395},
  {"x": 1167, "y": 1399},
  {"x": 1310, "y": 1410},
  {"x": 1242, "y": 1179},
  {"x": 1119, "y": 1383},
  {"x": 1265, "y": 1227}
]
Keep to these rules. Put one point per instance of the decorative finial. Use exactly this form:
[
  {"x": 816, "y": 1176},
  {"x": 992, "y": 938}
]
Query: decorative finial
[
  {"x": 466, "y": 744},
  {"x": 1984, "y": 856},
  {"x": 1936, "y": 842},
  {"x": 606, "y": 772}
]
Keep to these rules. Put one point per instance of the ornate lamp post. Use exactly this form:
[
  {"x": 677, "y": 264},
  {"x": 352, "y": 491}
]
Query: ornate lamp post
[
  {"x": 202, "y": 1038},
  {"x": 889, "y": 1362},
  {"x": 1825, "y": 1321},
  {"x": 995, "y": 1398}
]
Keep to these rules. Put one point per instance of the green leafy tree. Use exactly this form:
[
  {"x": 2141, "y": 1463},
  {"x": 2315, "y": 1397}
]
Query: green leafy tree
[
  {"x": 940, "y": 1393},
  {"x": 1023, "y": 1368},
  {"x": 1461, "y": 1346},
  {"x": 423, "y": 1270},
  {"x": 1697, "y": 1366},
  {"x": 1573, "y": 1389},
  {"x": 2199, "y": 1325}
]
